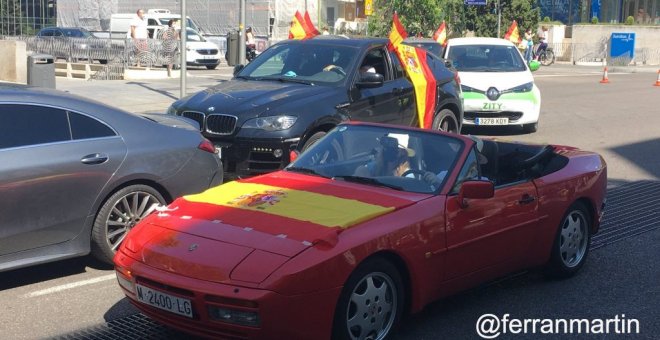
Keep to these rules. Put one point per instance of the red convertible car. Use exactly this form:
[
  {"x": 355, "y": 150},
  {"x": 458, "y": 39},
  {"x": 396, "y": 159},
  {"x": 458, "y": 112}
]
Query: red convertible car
[{"x": 368, "y": 224}]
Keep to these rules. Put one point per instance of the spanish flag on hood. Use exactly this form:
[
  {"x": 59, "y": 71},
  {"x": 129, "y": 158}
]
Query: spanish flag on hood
[
  {"x": 513, "y": 34},
  {"x": 302, "y": 27},
  {"x": 414, "y": 62}
]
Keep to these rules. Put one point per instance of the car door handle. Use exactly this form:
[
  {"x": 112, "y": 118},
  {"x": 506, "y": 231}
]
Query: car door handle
[
  {"x": 95, "y": 158},
  {"x": 526, "y": 199}
]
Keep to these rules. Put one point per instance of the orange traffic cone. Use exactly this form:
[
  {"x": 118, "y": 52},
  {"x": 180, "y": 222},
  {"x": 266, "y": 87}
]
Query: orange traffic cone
[
  {"x": 657, "y": 81},
  {"x": 605, "y": 80}
]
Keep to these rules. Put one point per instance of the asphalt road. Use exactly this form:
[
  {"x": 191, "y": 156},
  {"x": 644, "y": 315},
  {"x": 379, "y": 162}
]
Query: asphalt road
[{"x": 80, "y": 298}]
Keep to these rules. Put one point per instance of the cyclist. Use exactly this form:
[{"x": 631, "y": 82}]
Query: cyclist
[{"x": 543, "y": 37}]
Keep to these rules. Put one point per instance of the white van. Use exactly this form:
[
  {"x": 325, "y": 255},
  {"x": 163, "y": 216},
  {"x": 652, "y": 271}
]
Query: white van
[
  {"x": 199, "y": 51},
  {"x": 121, "y": 22}
]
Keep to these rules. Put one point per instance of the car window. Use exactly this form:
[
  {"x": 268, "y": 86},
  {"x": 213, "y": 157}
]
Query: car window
[
  {"x": 320, "y": 64},
  {"x": 57, "y": 33},
  {"x": 486, "y": 58},
  {"x": 154, "y": 22},
  {"x": 22, "y": 125},
  {"x": 376, "y": 59},
  {"x": 469, "y": 171},
  {"x": 380, "y": 156},
  {"x": 46, "y": 33},
  {"x": 83, "y": 127},
  {"x": 76, "y": 33},
  {"x": 399, "y": 72}
]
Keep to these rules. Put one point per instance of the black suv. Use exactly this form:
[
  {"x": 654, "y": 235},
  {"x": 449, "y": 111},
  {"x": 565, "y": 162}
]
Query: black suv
[{"x": 296, "y": 91}]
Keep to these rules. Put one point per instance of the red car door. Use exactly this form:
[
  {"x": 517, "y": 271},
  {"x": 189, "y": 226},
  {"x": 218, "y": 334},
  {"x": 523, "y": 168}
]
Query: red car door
[{"x": 494, "y": 232}]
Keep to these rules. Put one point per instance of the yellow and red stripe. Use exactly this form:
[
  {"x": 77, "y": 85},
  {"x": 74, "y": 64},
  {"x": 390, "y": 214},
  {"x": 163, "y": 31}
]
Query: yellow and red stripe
[
  {"x": 440, "y": 34},
  {"x": 302, "y": 27},
  {"x": 397, "y": 34},
  {"x": 512, "y": 34}
]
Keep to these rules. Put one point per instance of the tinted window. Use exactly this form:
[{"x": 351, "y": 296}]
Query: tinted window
[
  {"x": 486, "y": 58},
  {"x": 46, "y": 33},
  {"x": 84, "y": 127},
  {"x": 376, "y": 59},
  {"x": 396, "y": 66},
  {"x": 76, "y": 33},
  {"x": 29, "y": 125}
]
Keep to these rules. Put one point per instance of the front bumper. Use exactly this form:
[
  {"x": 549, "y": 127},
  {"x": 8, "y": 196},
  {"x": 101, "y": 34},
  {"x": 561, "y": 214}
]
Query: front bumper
[
  {"x": 519, "y": 109},
  {"x": 249, "y": 157},
  {"x": 307, "y": 316}
]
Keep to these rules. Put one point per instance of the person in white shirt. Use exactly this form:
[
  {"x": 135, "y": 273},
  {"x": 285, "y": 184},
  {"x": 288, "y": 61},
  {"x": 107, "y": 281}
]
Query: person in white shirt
[{"x": 138, "y": 32}]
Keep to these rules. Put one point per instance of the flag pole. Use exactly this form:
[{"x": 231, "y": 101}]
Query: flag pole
[{"x": 499, "y": 18}]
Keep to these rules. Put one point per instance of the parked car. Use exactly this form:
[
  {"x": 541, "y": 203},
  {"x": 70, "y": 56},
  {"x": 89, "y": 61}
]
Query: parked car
[
  {"x": 248, "y": 258},
  {"x": 498, "y": 86},
  {"x": 293, "y": 93},
  {"x": 75, "y": 44},
  {"x": 77, "y": 175},
  {"x": 427, "y": 44},
  {"x": 199, "y": 51}
]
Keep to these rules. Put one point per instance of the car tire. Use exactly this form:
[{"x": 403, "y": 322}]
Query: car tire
[
  {"x": 134, "y": 202},
  {"x": 103, "y": 61},
  {"x": 211, "y": 67},
  {"x": 531, "y": 128},
  {"x": 313, "y": 139},
  {"x": 446, "y": 120},
  {"x": 362, "y": 309},
  {"x": 571, "y": 245}
]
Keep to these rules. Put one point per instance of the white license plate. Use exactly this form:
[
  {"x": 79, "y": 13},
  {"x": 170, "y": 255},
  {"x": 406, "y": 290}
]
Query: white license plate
[
  {"x": 491, "y": 121},
  {"x": 164, "y": 301}
]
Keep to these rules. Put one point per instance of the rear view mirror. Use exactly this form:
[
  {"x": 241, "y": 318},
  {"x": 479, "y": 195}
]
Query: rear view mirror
[
  {"x": 475, "y": 190},
  {"x": 370, "y": 80},
  {"x": 534, "y": 65},
  {"x": 238, "y": 68}
]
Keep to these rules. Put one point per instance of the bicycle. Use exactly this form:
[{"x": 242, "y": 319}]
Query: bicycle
[{"x": 546, "y": 57}]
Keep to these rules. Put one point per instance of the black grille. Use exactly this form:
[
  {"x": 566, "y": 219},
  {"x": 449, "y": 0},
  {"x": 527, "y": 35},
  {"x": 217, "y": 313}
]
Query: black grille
[
  {"x": 207, "y": 51},
  {"x": 512, "y": 115},
  {"x": 220, "y": 124},
  {"x": 206, "y": 61},
  {"x": 196, "y": 116}
]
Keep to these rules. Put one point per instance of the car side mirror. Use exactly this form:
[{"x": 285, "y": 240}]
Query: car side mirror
[
  {"x": 370, "y": 80},
  {"x": 475, "y": 190},
  {"x": 534, "y": 65},
  {"x": 238, "y": 68}
]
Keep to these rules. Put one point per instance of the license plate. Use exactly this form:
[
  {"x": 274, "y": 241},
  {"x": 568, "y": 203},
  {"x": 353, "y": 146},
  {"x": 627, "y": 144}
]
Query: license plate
[
  {"x": 218, "y": 151},
  {"x": 164, "y": 301},
  {"x": 491, "y": 121}
]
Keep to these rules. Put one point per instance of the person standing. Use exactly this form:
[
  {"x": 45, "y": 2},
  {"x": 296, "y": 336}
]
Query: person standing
[
  {"x": 170, "y": 43},
  {"x": 138, "y": 32},
  {"x": 543, "y": 37},
  {"x": 529, "y": 43}
]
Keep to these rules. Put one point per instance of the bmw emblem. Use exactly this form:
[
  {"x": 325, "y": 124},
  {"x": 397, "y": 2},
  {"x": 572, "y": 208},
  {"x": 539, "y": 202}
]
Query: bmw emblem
[
  {"x": 211, "y": 109},
  {"x": 492, "y": 93},
  {"x": 192, "y": 247}
]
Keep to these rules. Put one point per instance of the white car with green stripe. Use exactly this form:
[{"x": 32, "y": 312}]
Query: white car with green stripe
[{"x": 498, "y": 86}]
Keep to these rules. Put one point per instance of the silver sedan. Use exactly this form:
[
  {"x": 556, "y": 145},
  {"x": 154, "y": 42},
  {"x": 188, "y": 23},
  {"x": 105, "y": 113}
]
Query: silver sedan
[{"x": 77, "y": 175}]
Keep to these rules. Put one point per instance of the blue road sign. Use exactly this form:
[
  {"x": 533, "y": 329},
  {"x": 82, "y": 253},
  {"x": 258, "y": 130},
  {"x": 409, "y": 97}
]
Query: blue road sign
[
  {"x": 622, "y": 45},
  {"x": 476, "y": 2}
]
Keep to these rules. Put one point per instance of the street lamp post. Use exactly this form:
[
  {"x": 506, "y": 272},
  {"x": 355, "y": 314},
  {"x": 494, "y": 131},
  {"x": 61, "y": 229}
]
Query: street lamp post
[
  {"x": 241, "y": 32},
  {"x": 184, "y": 38},
  {"x": 499, "y": 18}
]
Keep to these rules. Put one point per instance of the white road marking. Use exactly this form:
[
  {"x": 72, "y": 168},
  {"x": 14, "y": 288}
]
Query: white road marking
[
  {"x": 60, "y": 288},
  {"x": 575, "y": 74}
]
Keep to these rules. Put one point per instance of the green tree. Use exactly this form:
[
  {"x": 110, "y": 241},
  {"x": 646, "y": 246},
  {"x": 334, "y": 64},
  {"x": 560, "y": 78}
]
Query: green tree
[
  {"x": 10, "y": 17},
  {"x": 426, "y": 15}
]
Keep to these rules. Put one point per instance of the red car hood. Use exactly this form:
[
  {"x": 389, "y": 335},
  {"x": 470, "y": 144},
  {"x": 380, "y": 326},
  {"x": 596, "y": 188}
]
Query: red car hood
[{"x": 259, "y": 223}]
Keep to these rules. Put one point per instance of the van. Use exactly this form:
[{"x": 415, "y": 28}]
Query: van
[{"x": 121, "y": 22}]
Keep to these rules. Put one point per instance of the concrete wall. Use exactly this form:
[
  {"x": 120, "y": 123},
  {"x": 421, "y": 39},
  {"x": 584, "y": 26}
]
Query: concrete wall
[
  {"x": 647, "y": 39},
  {"x": 13, "y": 61}
]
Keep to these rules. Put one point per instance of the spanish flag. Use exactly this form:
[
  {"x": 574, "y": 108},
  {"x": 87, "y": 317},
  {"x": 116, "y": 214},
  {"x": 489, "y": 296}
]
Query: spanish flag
[
  {"x": 302, "y": 27},
  {"x": 513, "y": 34},
  {"x": 397, "y": 34},
  {"x": 414, "y": 62},
  {"x": 441, "y": 34}
]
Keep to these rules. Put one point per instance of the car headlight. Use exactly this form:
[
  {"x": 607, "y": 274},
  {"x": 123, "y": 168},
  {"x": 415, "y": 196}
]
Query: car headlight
[
  {"x": 523, "y": 88},
  {"x": 466, "y": 88},
  {"x": 172, "y": 110},
  {"x": 272, "y": 123}
]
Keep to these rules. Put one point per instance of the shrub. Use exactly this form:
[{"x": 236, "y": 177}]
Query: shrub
[
  {"x": 546, "y": 19},
  {"x": 630, "y": 20},
  {"x": 594, "y": 20}
]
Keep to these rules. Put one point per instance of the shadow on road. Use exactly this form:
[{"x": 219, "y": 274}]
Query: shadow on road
[{"x": 642, "y": 154}]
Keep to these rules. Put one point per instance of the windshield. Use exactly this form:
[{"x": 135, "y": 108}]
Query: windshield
[
  {"x": 486, "y": 58},
  {"x": 191, "y": 24},
  {"x": 430, "y": 46},
  {"x": 400, "y": 159},
  {"x": 318, "y": 64},
  {"x": 194, "y": 36},
  {"x": 76, "y": 33}
]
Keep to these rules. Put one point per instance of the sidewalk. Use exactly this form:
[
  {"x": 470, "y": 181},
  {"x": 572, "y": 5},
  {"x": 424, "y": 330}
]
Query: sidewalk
[{"x": 154, "y": 95}]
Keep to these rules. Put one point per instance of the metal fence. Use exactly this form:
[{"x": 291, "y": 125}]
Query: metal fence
[{"x": 599, "y": 52}]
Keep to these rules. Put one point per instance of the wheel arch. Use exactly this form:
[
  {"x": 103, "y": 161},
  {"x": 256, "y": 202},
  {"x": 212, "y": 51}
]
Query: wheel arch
[
  {"x": 403, "y": 270},
  {"x": 591, "y": 211}
]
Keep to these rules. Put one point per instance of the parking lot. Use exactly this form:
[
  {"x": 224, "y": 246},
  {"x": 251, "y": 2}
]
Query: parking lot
[{"x": 81, "y": 299}]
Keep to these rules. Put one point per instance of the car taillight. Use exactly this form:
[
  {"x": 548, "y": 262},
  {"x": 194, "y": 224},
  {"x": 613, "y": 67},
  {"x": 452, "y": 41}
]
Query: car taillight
[
  {"x": 293, "y": 155},
  {"x": 206, "y": 145}
]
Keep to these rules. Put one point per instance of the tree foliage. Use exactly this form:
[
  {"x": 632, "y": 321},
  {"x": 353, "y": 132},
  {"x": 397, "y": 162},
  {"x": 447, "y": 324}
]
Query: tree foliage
[{"x": 426, "y": 15}]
